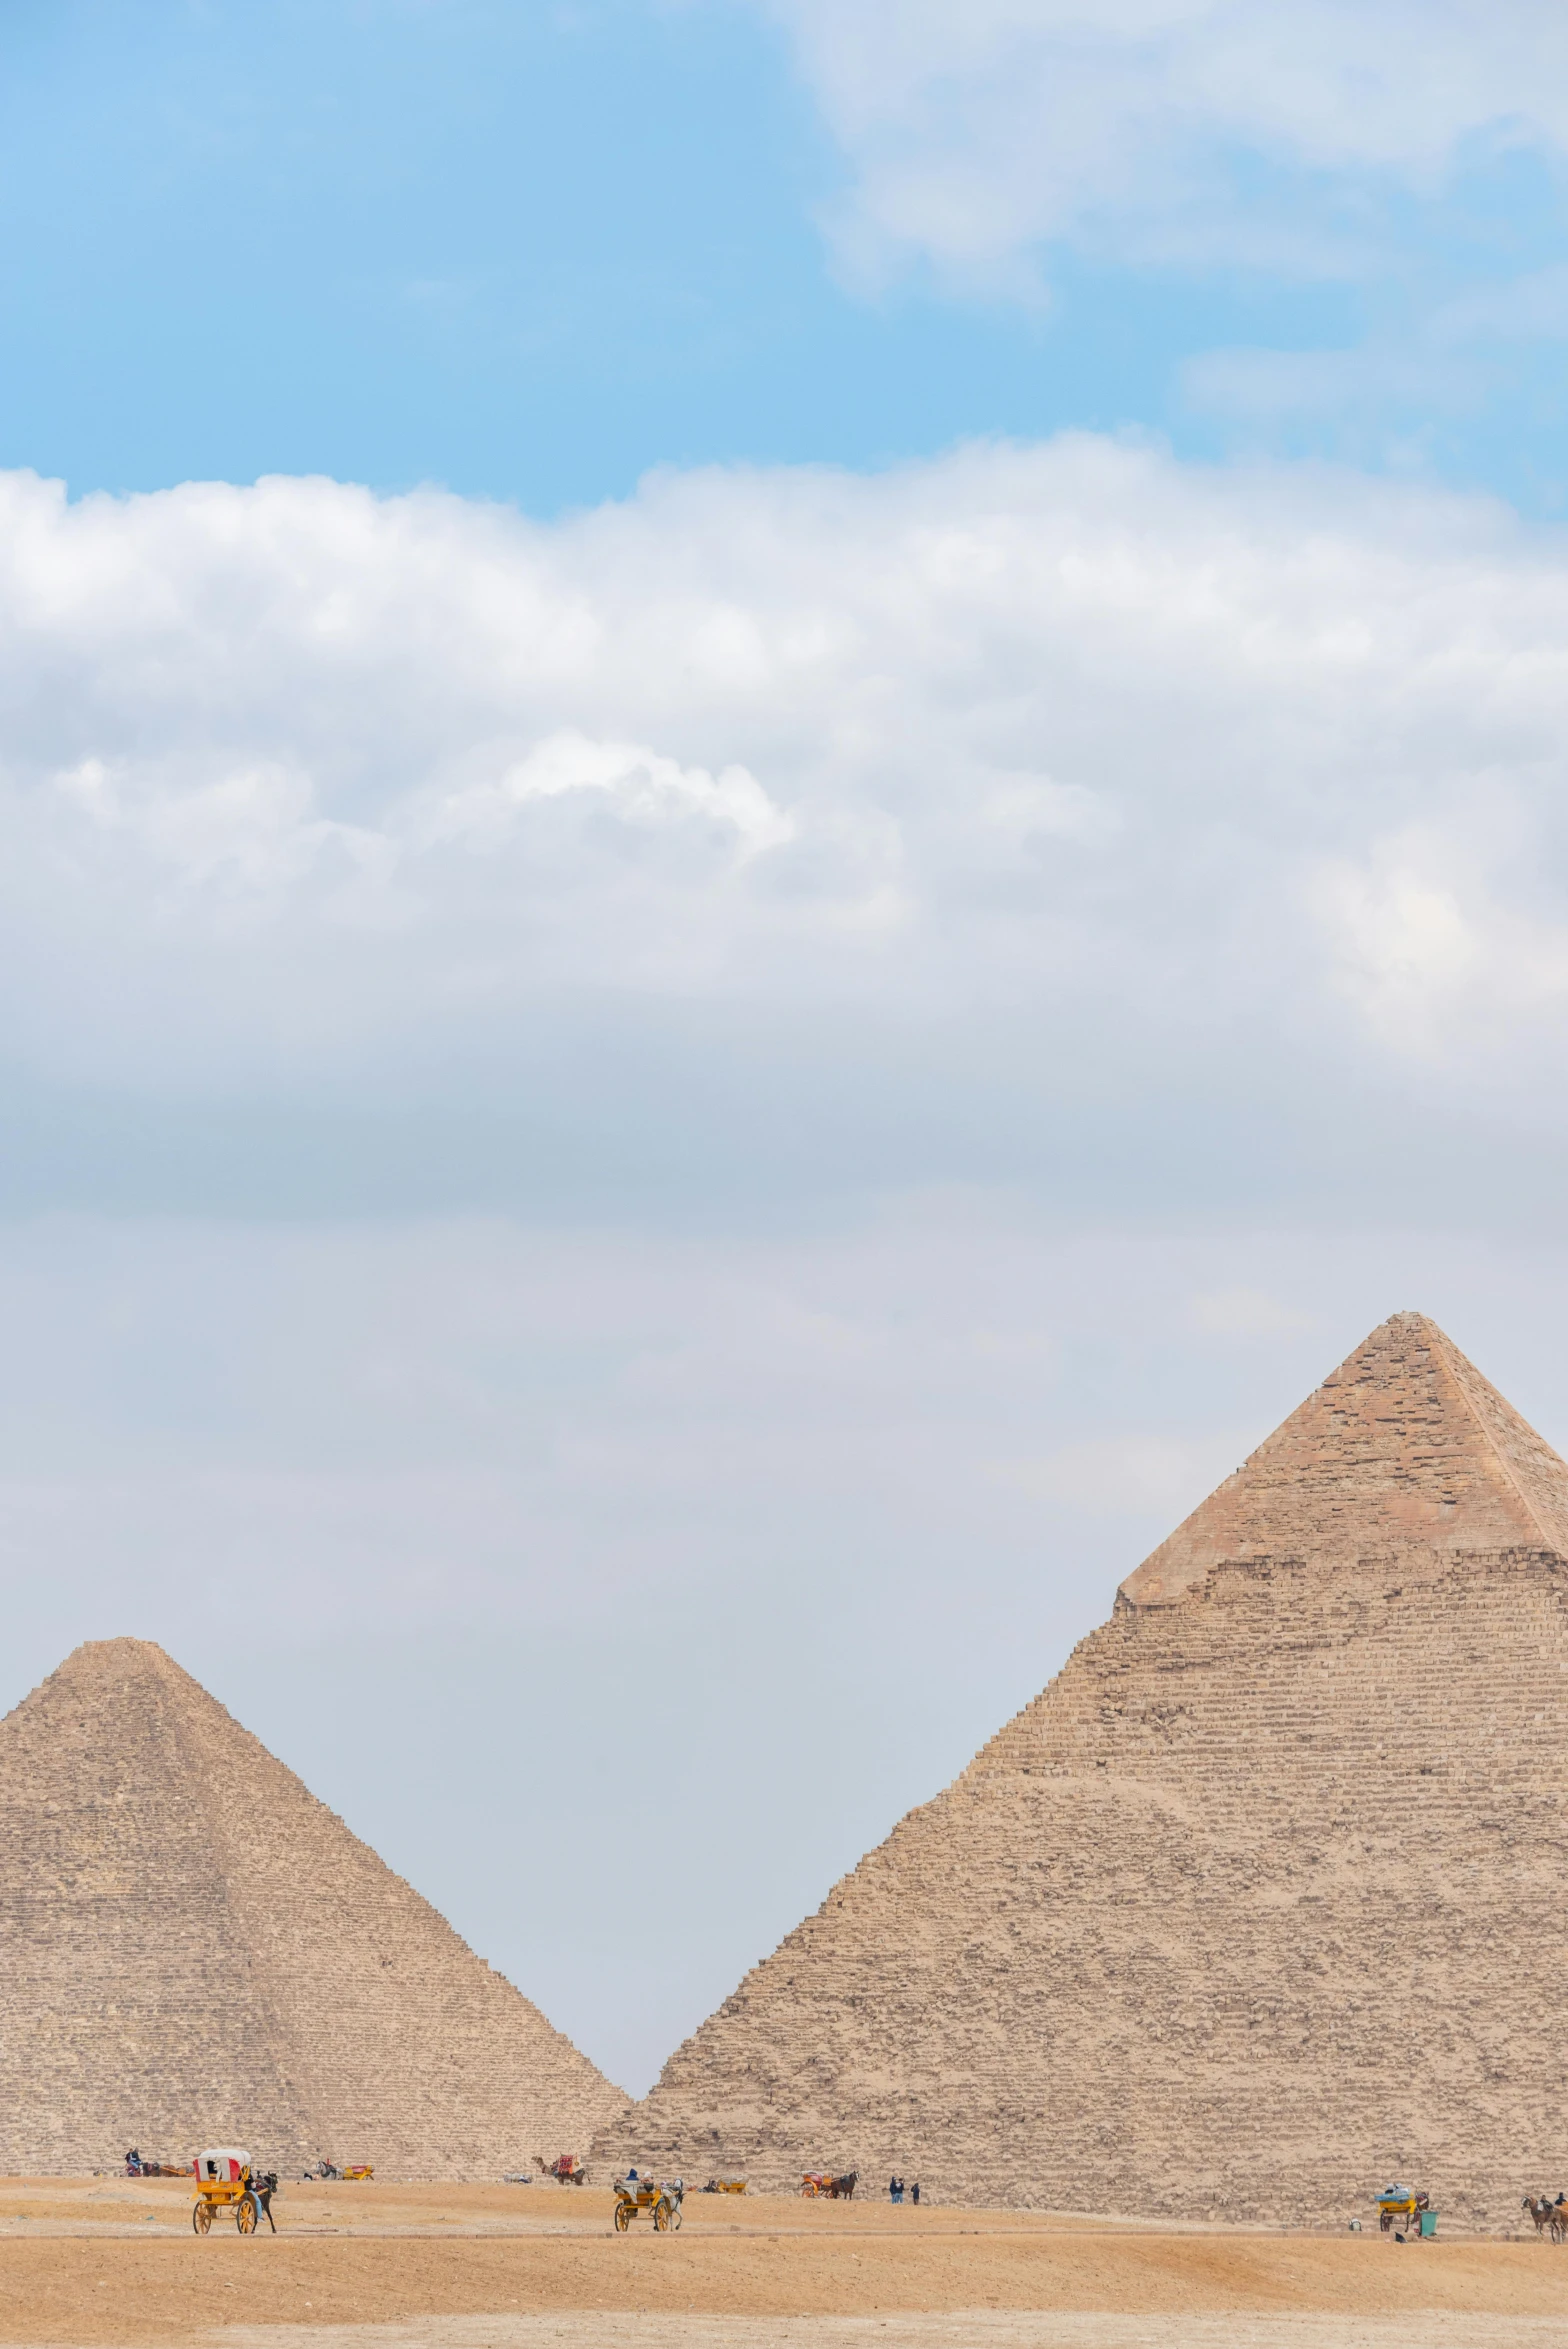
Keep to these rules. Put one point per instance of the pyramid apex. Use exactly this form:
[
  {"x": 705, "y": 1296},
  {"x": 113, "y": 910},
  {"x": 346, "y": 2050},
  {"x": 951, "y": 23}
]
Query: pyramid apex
[
  {"x": 1405, "y": 1444},
  {"x": 122, "y": 1645},
  {"x": 103, "y": 1659}
]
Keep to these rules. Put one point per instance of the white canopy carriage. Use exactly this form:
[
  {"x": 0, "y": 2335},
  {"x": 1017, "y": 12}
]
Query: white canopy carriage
[{"x": 225, "y": 2181}]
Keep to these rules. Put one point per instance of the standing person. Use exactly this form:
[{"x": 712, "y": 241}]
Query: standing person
[{"x": 914, "y": 2195}]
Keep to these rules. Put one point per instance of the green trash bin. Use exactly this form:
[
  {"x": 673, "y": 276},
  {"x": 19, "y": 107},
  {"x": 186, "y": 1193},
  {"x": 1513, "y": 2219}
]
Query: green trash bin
[{"x": 1428, "y": 2223}]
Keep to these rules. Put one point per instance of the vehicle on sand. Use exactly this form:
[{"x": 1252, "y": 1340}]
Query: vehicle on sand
[
  {"x": 1398, "y": 2204},
  {"x": 225, "y": 2180},
  {"x": 635, "y": 2194}
]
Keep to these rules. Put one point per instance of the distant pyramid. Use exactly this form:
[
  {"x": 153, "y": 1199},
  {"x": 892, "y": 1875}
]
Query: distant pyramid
[
  {"x": 1262, "y": 1902},
  {"x": 194, "y": 1950}
]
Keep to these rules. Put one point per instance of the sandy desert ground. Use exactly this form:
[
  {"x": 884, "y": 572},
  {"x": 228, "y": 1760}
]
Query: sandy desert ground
[{"x": 113, "y": 2261}]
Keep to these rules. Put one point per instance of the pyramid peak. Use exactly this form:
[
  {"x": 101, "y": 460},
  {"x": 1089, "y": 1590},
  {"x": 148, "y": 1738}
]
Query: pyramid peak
[
  {"x": 121, "y": 1648},
  {"x": 1404, "y": 1445},
  {"x": 106, "y": 1663}
]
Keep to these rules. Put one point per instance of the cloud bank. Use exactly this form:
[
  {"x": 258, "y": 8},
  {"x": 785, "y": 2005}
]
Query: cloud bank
[{"x": 1062, "y": 767}]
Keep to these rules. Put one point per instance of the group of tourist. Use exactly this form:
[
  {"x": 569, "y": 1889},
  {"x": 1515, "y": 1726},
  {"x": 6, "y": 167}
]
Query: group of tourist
[{"x": 895, "y": 2190}]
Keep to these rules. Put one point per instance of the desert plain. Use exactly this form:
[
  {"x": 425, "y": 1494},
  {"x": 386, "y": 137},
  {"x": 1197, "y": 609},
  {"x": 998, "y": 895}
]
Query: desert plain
[{"x": 108, "y": 2261}]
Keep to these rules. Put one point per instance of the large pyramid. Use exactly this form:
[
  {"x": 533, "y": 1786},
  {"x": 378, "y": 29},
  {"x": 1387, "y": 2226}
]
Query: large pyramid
[
  {"x": 1263, "y": 1900},
  {"x": 194, "y": 1950}
]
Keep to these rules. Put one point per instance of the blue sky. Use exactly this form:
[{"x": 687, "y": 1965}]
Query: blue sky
[
  {"x": 529, "y": 251},
  {"x": 782, "y": 807}
]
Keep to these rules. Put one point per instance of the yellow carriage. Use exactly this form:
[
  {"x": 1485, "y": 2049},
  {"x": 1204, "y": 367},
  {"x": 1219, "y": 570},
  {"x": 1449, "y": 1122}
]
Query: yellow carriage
[
  {"x": 635, "y": 2194},
  {"x": 1398, "y": 2207},
  {"x": 225, "y": 2181}
]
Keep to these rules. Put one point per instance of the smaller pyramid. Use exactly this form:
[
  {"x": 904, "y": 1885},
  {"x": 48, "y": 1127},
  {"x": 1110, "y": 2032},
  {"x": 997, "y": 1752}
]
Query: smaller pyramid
[
  {"x": 1404, "y": 1445},
  {"x": 194, "y": 1950}
]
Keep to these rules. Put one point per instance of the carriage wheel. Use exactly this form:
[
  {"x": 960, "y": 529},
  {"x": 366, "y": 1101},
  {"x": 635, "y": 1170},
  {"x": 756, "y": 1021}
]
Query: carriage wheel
[
  {"x": 623, "y": 2217},
  {"x": 201, "y": 2217},
  {"x": 245, "y": 2214},
  {"x": 661, "y": 2216}
]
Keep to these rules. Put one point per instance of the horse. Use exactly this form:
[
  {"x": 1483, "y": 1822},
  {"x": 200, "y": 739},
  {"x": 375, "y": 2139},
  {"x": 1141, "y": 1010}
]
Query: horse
[
  {"x": 1550, "y": 2217},
  {"x": 843, "y": 2188}
]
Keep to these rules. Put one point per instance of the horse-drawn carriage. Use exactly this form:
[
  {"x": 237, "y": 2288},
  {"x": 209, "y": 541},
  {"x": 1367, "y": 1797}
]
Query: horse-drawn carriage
[
  {"x": 635, "y": 2194},
  {"x": 837, "y": 2189},
  {"x": 1399, "y": 2205},
  {"x": 225, "y": 2180},
  {"x": 725, "y": 2186}
]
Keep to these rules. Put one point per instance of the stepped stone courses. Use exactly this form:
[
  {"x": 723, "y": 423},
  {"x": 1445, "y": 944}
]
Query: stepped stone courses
[
  {"x": 1261, "y": 1901},
  {"x": 193, "y": 1950}
]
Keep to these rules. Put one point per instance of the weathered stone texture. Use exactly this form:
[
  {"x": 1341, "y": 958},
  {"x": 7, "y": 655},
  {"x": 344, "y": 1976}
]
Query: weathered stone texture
[
  {"x": 193, "y": 1949},
  {"x": 1260, "y": 1902}
]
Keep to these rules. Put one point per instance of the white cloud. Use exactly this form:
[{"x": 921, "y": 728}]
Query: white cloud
[
  {"x": 298, "y": 782},
  {"x": 1418, "y": 368},
  {"x": 643, "y": 788},
  {"x": 1527, "y": 308},
  {"x": 1432, "y": 955},
  {"x": 978, "y": 133},
  {"x": 1377, "y": 380}
]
